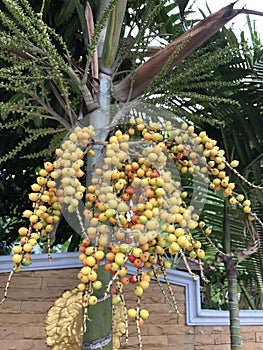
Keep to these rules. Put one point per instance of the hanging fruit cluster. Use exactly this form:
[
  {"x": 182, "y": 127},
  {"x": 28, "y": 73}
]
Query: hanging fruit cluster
[
  {"x": 136, "y": 211},
  {"x": 44, "y": 214}
]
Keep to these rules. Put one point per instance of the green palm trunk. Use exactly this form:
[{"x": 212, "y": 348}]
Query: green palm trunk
[
  {"x": 235, "y": 334},
  {"x": 98, "y": 334},
  {"x": 231, "y": 274}
]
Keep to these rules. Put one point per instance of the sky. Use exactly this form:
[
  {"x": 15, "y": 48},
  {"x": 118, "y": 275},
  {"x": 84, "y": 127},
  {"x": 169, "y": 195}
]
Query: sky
[{"x": 239, "y": 22}]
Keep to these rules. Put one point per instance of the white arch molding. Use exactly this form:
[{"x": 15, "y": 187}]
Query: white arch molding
[{"x": 195, "y": 316}]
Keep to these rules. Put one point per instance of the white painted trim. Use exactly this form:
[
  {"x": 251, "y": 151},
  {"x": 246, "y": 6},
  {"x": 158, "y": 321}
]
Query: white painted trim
[
  {"x": 40, "y": 262},
  {"x": 195, "y": 316}
]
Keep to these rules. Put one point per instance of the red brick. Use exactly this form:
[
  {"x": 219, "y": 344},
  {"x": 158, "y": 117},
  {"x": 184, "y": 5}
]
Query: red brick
[
  {"x": 222, "y": 338},
  {"x": 65, "y": 274},
  {"x": 35, "y": 306},
  {"x": 155, "y": 342},
  {"x": 161, "y": 329},
  {"x": 212, "y": 347},
  {"x": 10, "y": 307},
  {"x": 32, "y": 332},
  {"x": 259, "y": 336},
  {"x": 22, "y": 319},
  {"x": 48, "y": 294},
  {"x": 16, "y": 344},
  {"x": 215, "y": 329},
  {"x": 248, "y": 336},
  {"x": 10, "y": 332},
  {"x": 22, "y": 281},
  {"x": 203, "y": 339},
  {"x": 178, "y": 340},
  {"x": 64, "y": 283},
  {"x": 252, "y": 346}
]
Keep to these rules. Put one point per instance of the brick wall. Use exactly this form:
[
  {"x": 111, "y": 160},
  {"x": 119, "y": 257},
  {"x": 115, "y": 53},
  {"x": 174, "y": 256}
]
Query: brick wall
[{"x": 32, "y": 293}]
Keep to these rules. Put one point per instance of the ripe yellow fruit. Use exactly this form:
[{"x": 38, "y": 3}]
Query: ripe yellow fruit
[
  {"x": 16, "y": 258},
  {"x": 201, "y": 224},
  {"x": 41, "y": 180},
  {"x": 208, "y": 231},
  {"x": 234, "y": 163},
  {"x": 43, "y": 172},
  {"x": 92, "y": 300},
  {"x": 32, "y": 241},
  {"x": 232, "y": 200},
  {"x": 247, "y": 209},
  {"x": 167, "y": 264},
  {"x": 27, "y": 247},
  {"x": 144, "y": 285},
  {"x": 114, "y": 267},
  {"x": 179, "y": 232},
  {"x": 33, "y": 218},
  {"x": 27, "y": 213},
  {"x": 99, "y": 255},
  {"x": 144, "y": 314},
  {"x": 49, "y": 228},
  {"x": 38, "y": 225},
  {"x": 81, "y": 287},
  {"x": 85, "y": 270},
  {"x": 197, "y": 245},
  {"x": 89, "y": 250},
  {"x": 138, "y": 291},
  {"x": 92, "y": 275},
  {"x": 90, "y": 261},
  {"x": 35, "y": 236},
  {"x": 45, "y": 198},
  {"x": 82, "y": 256},
  {"x": 23, "y": 231},
  {"x": 132, "y": 313},
  {"x": 183, "y": 241},
  {"x": 136, "y": 252},
  {"x": 200, "y": 253},
  {"x": 33, "y": 197},
  {"x": 17, "y": 249},
  {"x": 160, "y": 192}
]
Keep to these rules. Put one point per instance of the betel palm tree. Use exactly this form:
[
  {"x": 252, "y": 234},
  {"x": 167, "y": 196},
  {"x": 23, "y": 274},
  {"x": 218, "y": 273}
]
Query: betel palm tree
[
  {"x": 236, "y": 129},
  {"x": 48, "y": 81}
]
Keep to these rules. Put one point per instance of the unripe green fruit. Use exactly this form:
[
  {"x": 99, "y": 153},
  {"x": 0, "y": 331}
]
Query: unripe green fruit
[
  {"x": 119, "y": 259},
  {"x": 26, "y": 262},
  {"x": 97, "y": 285},
  {"x": 116, "y": 299},
  {"x": 240, "y": 197}
]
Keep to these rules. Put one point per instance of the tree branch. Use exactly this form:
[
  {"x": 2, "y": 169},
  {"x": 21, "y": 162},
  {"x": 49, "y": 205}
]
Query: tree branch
[
  {"x": 86, "y": 94},
  {"x": 54, "y": 115},
  {"x": 250, "y": 12}
]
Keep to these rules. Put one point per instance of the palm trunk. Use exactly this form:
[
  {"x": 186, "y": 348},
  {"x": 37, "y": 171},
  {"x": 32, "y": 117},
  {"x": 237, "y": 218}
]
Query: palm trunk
[
  {"x": 98, "y": 334},
  {"x": 235, "y": 332},
  {"x": 231, "y": 275}
]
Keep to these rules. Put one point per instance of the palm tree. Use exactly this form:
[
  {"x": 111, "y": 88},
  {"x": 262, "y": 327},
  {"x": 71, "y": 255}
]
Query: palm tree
[
  {"x": 48, "y": 81},
  {"x": 236, "y": 132}
]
